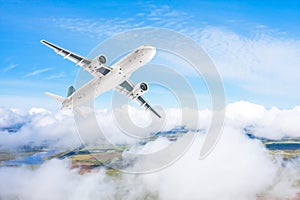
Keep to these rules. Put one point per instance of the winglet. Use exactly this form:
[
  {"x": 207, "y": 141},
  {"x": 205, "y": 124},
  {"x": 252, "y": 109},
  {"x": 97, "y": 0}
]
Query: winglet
[
  {"x": 44, "y": 42},
  {"x": 54, "y": 96},
  {"x": 51, "y": 45}
]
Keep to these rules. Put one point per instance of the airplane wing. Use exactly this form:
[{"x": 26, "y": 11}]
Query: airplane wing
[
  {"x": 126, "y": 87},
  {"x": 78, "y": 60}
]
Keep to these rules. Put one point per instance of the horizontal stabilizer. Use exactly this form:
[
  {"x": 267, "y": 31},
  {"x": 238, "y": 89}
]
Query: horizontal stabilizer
[{"x": 54, "y": 96}]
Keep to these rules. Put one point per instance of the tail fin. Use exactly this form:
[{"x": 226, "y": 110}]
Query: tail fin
[
  {"x": 54, "y": 96},
  {"x": 71, "y": 90}
]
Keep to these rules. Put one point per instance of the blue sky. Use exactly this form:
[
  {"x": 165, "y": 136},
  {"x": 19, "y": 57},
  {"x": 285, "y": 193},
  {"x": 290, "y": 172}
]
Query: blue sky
[{"x": 254, "y": 44}]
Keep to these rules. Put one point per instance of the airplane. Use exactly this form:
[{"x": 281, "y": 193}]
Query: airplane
[{"x": 106, "y": 78}]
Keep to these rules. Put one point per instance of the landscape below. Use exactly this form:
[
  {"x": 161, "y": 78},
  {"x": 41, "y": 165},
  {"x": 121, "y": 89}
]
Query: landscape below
[{"x": 87, "y": 159}]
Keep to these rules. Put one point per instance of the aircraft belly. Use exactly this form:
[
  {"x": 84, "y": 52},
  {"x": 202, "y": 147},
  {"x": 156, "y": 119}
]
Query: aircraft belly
[
  {"x": 84, "y": 94},
  {"x": 97, "y": 87}
]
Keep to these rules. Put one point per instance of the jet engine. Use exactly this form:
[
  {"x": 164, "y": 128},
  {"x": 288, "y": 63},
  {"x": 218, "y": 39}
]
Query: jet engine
[
  {"x": 102, "y": 59},
  {"x": 139, "y": 89}
]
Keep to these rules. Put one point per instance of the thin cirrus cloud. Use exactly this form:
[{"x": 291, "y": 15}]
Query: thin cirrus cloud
[
  {"x": 254, "y": 62},
  {"x": 162, "y": 16},
  {"x": 56, "y": 76},
  {"x": 94, "y": 28},
  {"x": 37, "y": 72},
  {"x": 10, "y": 67}
]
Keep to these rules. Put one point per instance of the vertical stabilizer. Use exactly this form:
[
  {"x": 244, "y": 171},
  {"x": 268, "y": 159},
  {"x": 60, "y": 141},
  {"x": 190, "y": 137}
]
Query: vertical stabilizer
[{"x": 71, "y": 90}]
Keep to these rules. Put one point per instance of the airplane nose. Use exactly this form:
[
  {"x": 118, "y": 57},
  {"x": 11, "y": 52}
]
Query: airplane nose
[
  {"x": 150, "y": 49},
  {"x": 147, "y": 47}
]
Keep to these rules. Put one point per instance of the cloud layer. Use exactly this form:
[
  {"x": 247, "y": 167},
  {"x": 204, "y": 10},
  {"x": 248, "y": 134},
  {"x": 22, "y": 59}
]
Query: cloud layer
[
  {"x": 40, "y": 127},
  {"x": 238, "y": 168}
]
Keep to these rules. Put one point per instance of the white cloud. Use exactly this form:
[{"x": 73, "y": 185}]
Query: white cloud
[
  {"x": 273, "y": 123},
  {"x": 10, "y": 67},
  {"x": 238, "y": 168},
  {"x": 37, "y": 72},
  {"x": 101, "y": 27},
  {"x": 10, "y": 117},
  {"x": 285, "y": 184},
  {"x": 263, "y": 65},
  {"x": 52, "y": 180},
  {"x": 280, "y": 123},
  {"x": 59, "y": 128},
  {"x": 56, "y": 76},
  {"x": 34, "y": 111},
  {"x": 152, "y": 16},
  {"x": 243, "y": 113},
  {"x": 40, "y": 127}
]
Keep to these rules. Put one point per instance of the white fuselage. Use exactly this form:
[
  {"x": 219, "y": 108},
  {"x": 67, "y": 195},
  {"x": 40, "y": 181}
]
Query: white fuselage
[{"x": 119, "y": 72}]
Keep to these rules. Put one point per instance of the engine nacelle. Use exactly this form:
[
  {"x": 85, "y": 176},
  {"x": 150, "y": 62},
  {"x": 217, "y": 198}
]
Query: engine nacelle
[
  {"x": 98, "y": 62},
  {"x": 139, "y": 89},
  {"x": 102, "y": 59}
]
